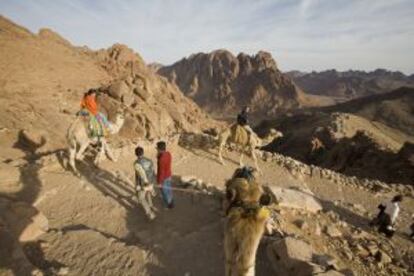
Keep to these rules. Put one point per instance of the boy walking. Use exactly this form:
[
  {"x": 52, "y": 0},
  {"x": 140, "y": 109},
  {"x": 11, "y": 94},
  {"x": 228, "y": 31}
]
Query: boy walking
[
  {"x": 164, "y": 173},
  {"x": 145, "y": 179}
]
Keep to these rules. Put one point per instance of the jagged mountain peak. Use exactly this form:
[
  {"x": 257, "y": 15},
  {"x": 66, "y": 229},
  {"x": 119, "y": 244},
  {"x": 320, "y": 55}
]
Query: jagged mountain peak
[{"x": 222, "y": 83}]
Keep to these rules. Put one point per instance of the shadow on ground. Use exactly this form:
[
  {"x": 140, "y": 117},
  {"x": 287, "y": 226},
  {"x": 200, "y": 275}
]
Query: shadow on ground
[
  {"x": 185, "y": 239},
  {"x": 23, "y": 261}
]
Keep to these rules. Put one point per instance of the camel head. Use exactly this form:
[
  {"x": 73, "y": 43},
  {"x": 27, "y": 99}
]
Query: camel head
[
  {"x": 271, "y": 136},
  {"x": 243, "y": 187}
]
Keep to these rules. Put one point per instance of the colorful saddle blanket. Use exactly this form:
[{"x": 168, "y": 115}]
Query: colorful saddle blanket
[{"x": 98, "y": 125}]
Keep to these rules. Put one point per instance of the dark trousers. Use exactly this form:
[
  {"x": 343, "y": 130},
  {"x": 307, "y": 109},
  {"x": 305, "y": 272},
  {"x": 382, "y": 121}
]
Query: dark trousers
[{"x": 384, "y": 225}]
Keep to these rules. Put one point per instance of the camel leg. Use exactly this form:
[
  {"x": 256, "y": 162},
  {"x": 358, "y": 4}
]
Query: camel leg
[
  {"x": 241, "y": 159},
  {"x": 220, "y": 153},
  {"x": 108, "y": 151},
  {"x": 72, "y": 155},
  {"x": 100, "y": 154},
  {"x": 255, "y": 161},
  {"x": 79, "y": 154}
]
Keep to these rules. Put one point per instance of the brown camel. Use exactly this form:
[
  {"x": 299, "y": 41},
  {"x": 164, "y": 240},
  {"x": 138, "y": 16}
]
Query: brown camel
[
  {"x": 245, "y": 224},
  {"x": 248, "y": 143}
]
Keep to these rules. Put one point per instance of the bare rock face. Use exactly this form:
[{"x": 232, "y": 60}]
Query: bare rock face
[
  {"x": 119, "y": 60},
  {"x": 221, "y": 82},
  {"x": 293, "y": 257},
  {"x": 153, "y": 107},
  {"x": 118, "y": 90},
  {"x": 332, "y": 231},
  {"x": 142, "y": 93},
  {"x": 295, "y": 199}
]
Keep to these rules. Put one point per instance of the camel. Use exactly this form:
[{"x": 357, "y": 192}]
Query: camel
[
  {"x": 77, "y": 135},
  {"x": 245, "y": 224},
  {"x": 239, "y": 135}
]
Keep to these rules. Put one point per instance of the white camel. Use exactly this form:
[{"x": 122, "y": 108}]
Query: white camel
[
  {"x": 79, "y": 140},
  {"x": 248, "y": 143}
]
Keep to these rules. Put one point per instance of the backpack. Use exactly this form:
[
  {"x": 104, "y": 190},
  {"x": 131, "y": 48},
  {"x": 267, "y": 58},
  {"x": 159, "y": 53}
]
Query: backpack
[{"x": 148, "y": 167}]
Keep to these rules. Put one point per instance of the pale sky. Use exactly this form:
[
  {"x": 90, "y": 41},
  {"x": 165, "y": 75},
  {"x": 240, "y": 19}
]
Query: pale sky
[{"x": 301, "y": 34}]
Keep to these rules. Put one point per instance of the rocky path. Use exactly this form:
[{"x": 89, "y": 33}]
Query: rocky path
[{"x": 96, "y": 227}]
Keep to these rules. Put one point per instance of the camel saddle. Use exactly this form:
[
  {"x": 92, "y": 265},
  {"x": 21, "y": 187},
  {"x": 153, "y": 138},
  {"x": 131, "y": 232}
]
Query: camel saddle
[
  {"x": 239, "y": 135},
  {"x": 95, "y": 127}
]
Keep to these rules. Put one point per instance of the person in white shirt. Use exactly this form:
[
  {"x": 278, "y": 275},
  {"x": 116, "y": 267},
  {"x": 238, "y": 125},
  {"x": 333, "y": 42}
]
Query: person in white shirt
[
  {"x": 144, "y": 181},
  {"x": 389, "y": 217}
]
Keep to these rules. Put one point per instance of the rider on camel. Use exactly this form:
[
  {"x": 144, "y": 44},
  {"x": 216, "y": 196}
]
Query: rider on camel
[
  {"x": 89, "y": 107},
  {"x": 243, "y": 119}
]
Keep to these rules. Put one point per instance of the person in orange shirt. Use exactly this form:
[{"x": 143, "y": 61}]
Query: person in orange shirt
[
  {"x": 89, "y": 106},
  {"x": 89, "y": 102}
]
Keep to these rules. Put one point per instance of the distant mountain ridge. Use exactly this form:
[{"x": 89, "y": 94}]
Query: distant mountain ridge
[
  {"x": 222, "y": 83},
  {"x": 350, "y": 84}
]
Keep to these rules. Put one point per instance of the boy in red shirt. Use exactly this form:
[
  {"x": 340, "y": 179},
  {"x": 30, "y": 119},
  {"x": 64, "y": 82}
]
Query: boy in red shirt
[{"x": 164, "y": 173}]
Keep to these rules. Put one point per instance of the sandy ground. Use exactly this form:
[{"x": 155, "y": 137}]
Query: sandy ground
[{"x": 98, "y": 229}]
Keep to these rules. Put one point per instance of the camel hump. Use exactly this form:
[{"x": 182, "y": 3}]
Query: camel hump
[{"x": 239, "y": 135}]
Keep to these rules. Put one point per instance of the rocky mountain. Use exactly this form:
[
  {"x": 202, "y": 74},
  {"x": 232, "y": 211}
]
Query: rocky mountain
[
  {"x": 350, "y": 84},
  {"x": 222, "y": 83},
  {"x": 394, "y": 109},
  {"x": 43, "y": 77},
  {"x": 370, "y": 137}
]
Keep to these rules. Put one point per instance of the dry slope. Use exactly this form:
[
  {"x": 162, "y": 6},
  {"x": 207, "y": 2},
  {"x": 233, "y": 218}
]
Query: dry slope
[{"x": 43, "y": 77}]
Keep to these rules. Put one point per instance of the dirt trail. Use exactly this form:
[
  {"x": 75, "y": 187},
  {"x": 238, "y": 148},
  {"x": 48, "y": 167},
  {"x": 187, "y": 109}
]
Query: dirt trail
[{"x": 97, "y": 228}]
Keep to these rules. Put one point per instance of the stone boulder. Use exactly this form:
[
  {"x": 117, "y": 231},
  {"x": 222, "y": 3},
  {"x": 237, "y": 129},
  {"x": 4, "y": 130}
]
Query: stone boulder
[
  {"x": 119, "y": 90},
  {"x": 294, "y": 257},
  {"x": 32, "y": 139},
  {"x": 128, "y": 99},
  {"x": 295, "y": 199},
  {"x": 332, "y": 231},
  {"x": 109, "y": 106},
  {"x": 132, "y": 128},
  {"x": 290, "y": 257}
]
